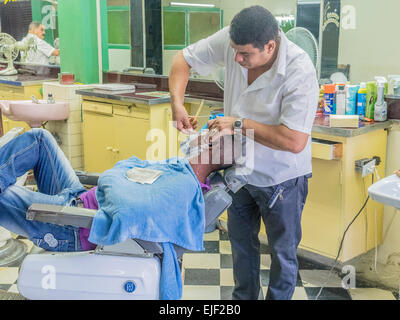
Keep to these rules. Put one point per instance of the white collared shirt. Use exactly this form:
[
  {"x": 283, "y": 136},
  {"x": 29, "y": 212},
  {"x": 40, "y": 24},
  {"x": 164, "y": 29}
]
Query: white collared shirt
[
  {"x": 286, "y": 94},
  {"x": 43, "y": 51}
]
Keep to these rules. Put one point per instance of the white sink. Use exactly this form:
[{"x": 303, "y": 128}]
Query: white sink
[
  {"x": 34, "y": 113},
  {"x": 387, "y": 191}
]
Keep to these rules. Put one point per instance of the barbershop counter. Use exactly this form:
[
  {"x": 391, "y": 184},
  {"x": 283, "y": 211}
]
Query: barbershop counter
[
  {"x": 24, "y": 80},
  {"x": 148, "y": 96}
]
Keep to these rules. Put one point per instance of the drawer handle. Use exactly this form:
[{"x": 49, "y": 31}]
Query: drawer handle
[
  {"x": 109, "y": 148},
  {"x": 115, "y": 150}
]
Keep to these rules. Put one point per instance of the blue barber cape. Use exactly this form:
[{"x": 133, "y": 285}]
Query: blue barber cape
[{"x": 170, "y": 211}]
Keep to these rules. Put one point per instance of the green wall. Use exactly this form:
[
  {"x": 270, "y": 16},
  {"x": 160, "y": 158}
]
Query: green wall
[{"x": 77, "y": 23}]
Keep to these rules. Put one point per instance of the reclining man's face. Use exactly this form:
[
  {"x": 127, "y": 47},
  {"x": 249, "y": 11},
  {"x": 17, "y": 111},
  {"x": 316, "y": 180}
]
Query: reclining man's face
[{"x": 212, "y": 148}]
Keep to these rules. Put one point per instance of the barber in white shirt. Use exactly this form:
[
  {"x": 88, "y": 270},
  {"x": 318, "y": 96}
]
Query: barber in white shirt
[
  {"x": 43, "y": 50},
  {"x": 271, "y": 88}
]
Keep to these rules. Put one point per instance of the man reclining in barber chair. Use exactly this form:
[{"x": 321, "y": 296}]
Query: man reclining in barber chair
[{"x": 135, "y": 224}]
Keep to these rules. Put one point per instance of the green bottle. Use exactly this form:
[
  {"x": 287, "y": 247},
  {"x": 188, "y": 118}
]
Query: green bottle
[{"x": 371, "y": 99}]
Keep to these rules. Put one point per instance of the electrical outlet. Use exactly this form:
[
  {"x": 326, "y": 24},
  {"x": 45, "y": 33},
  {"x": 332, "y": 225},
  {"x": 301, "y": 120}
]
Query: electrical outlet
[{"x": 368, "y": 168}]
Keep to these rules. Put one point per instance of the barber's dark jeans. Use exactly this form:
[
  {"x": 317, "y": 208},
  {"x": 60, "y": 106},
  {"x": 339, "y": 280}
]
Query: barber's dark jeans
[{"x": 280, "y": 207}]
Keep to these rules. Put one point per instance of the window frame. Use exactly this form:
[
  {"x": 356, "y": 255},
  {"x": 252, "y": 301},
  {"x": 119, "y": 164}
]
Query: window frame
[{"x": 188, "y": 11}]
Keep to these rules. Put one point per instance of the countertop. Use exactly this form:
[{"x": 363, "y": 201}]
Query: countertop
[
  {"x": 139, "y": 96},
  {"x": 23, "y": 80},
  {"x": 153, "y": 97},
  {"x": 321, "y": 125}
]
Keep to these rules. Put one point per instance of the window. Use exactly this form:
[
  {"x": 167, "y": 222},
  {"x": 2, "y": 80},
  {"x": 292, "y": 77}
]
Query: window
[
  {"x": 118, "y": 25},
  {"x": 184, "y": 26}
]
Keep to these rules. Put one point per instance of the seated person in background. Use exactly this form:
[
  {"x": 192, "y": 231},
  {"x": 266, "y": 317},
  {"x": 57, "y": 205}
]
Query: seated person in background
[
  {"x": 58, "y": 185},
  {"x": 43, "y": 50}
]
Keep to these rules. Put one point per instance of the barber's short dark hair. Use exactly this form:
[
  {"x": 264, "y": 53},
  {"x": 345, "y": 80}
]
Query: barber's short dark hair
[{"x": 254, "y": 25}]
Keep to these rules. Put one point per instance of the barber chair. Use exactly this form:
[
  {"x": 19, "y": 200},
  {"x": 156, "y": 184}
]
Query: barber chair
[{"x": 127, "y": 271}]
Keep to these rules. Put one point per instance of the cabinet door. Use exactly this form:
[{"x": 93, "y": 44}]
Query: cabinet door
[
  {"x": 10, "y": 93},
  {"x": 130, "y": 135},
  {"x": 98, "y": 142},
  {"x": 322, "y": 215},
  {"x": 9, "y": 124}
]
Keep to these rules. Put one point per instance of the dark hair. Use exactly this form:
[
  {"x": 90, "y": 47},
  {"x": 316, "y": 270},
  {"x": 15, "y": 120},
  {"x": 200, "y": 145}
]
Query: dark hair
[{"x": 254, "y": 25}]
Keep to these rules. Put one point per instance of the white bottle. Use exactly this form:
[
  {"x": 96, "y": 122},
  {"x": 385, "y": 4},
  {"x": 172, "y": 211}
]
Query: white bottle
[
  {"x": 380, "y": 105},
  {"x": 340, "y": 99},
  {"x": 395, "y": 80}
]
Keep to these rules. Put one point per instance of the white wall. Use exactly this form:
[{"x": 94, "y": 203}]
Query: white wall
[
  {"x": 168, "y": 55},
  {"x": 373, "y": 47},
  {"x": 119, "y": 59}
]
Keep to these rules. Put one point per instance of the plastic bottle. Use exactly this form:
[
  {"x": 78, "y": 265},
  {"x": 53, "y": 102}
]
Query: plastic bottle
[
  {"x": 341, "y": 99},
  {"x": 329, "y": 99},
  {"x": 351, "y": 99},
  {"x": 50, "y": 99},
  {"x": 395, "y": 80},
  {"x": 362, "y": 99},
  {"x": 380, "y": 105},
  {"x": 320, "y": 109},
  {"x": 371, "y": 99}
]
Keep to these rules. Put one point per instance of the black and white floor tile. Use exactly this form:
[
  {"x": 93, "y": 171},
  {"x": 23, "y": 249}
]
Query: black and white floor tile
[{"x": 208, "y": 276}]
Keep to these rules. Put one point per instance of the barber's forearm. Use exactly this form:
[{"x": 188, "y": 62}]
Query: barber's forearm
[
  {"x": 178, "y": 80},
  {"x": 277, "y": 137}
]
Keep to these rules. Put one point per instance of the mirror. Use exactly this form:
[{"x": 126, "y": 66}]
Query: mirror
[
  {"x": 33, "y": 43},
  {"x": 354, "y": 37}
]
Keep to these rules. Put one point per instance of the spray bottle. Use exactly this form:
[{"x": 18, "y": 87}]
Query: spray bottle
[{"x": 380, "y": 113}]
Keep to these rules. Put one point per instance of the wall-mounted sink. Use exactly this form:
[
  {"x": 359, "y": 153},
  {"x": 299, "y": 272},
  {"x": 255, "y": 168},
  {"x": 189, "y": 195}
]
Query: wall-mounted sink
[
  {"x": 387, "y": 191},
  {"x": 34, "y": 113}
]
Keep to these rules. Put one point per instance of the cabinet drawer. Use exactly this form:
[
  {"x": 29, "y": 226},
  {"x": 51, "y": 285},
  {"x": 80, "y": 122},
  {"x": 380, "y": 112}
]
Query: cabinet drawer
[
  {"x": 11, "y": 90},
  {"x": 326, "y": 150},
  {"x": 97, "y": 107},
  {"x": 132, "y": 111}
]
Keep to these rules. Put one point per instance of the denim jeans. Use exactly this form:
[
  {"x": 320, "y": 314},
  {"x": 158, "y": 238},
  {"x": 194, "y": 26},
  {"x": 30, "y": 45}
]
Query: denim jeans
[
  {"x": 57, "y": 185},
  {"x": 280, "y": 207}
]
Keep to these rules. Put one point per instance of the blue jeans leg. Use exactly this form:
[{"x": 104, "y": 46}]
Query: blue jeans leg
[
  {"x": 243, "y": 228},
  {"x": 282, "y": 218},
  {"x": 283, "y": 226},
  {"x": 57, "y": 184}
]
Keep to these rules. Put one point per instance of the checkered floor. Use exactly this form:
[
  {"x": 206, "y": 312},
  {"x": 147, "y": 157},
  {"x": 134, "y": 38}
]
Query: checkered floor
[{"x": 208, "y": 276}]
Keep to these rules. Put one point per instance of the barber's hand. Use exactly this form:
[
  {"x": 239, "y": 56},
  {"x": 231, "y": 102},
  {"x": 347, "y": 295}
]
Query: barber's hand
[
  {"x": 193, "y": 122},
  {"x": 222, "y": 124},
  {"x": 398, "y": 173},
  {"x": 183, "y": 123}
]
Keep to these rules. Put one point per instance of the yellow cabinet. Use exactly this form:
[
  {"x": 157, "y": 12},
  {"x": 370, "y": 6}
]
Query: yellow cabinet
[
  {"x": 9, "y": 92},
  {"x": 337, "y": 192},
  {"x": 117, "y": 131},
  {"x": 98, "y": 141}
]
